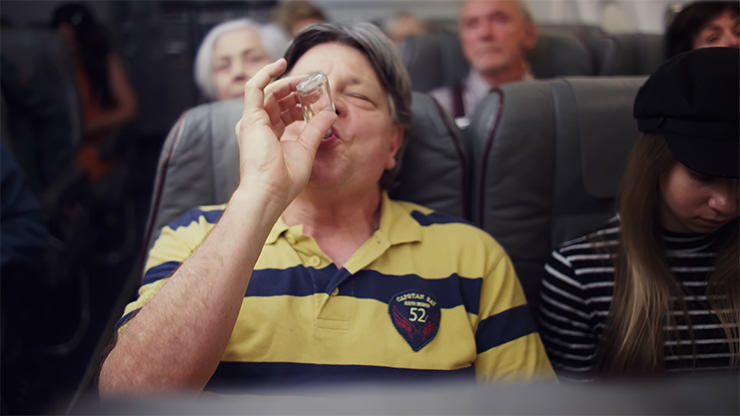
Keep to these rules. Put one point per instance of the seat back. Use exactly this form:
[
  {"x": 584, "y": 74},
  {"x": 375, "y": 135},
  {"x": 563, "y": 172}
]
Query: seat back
[
  {"x": 601, "y": 46},
  {"x": 561, "y": 51},
  {"x": 434, "y": 60},
  {"x": 637, "y": 54},
  {"x": 198, "y": 164},
  {"x": 546, "y": 160}
]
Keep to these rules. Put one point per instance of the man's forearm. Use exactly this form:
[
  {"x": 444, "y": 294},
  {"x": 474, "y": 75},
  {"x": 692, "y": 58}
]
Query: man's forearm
[{"x": 176, "y": 341}]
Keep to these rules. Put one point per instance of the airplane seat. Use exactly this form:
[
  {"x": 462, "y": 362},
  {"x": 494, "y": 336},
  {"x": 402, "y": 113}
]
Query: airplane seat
[
  {"x": 560, "y": 51},
  {"x": 637, "y": 54},
  {"x": 198, "y": 164},
  {"x": 591, "y": 150},
  {"x": 600, "y": 45},
  {"x": 434, "y": 170},
  {"x": 546, "y": 159},
  {"x": 434, "y": 60}
]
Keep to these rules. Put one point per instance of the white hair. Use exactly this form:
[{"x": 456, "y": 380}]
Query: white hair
[{"x": 274, "y": 42}]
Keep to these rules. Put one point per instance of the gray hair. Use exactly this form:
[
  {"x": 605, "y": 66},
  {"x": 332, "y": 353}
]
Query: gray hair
[
  {"x": 273, "y": 40},
  {"x": 522, "y": 6},
  {"x": 384, "y": 58},
  {"x": 527, "y": 14}
]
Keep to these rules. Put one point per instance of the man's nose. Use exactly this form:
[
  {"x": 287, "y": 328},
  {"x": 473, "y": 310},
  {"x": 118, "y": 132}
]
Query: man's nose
[
  {"x": 340, "y": 106},
  {"x": 484, "y": 30}
]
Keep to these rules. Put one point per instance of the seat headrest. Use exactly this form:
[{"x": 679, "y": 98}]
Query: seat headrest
[
  {"x": 559, "y": 53},
  {"x": 434, "y": 168},
  {"x": 637, "y": 53},
  {"x": 605, "y": 128},
  {"x": 434, "y": 60}
]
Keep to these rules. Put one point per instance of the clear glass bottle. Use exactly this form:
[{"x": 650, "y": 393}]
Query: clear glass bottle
[{"x": 314, "y": 95}]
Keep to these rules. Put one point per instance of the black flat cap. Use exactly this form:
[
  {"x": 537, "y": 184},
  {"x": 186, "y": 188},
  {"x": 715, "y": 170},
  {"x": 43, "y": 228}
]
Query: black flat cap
[{"x": 693, "y": 99}]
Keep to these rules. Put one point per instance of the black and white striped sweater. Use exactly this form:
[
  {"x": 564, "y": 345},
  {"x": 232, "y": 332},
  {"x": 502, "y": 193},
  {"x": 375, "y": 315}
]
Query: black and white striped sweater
[{"x": 577, "y": 291}]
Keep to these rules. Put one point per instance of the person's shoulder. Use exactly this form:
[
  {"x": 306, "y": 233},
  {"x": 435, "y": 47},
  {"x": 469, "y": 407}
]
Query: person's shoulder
[
  {"x": 203, "y": 215},
  {"x": 426, "y": 216},
  {"x": 438, "y": 225},
  {"x": 442, "y": 95},
  {"x": 606, "y": 233},
  {"x": 447, "y": 91}
]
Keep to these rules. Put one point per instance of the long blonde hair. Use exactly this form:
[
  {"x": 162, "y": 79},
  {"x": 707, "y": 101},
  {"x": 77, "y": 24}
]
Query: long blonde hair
[{"x": 644, "y": 286}]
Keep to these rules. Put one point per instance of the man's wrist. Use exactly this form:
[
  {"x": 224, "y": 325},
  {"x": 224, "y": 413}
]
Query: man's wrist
[{"x": 262, "y": 207}]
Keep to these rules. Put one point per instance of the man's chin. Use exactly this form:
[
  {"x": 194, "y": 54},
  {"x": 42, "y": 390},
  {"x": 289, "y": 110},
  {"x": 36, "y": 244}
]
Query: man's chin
[
  {"x": 491, "y": 64},
  {"x": 491, "y": 68}
]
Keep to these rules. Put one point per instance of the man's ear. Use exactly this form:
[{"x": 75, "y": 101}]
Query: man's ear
[
  {"x": 530, "y": 36},
  {"x": 395, "y": 144}
]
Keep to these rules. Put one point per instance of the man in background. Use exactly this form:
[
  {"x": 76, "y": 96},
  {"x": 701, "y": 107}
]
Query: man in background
[{"x": 495, "y": 36}]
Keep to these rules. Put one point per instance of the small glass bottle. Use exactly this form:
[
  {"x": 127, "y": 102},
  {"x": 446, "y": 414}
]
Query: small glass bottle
[{"x": 314, "y": 95}]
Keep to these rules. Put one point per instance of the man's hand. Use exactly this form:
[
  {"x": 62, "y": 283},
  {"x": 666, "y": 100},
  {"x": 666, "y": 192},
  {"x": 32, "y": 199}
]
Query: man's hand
[{"x": 279, "y": 168}]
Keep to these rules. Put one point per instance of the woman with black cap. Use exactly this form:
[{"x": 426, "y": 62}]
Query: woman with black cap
[{"x": 658, "y": 288}]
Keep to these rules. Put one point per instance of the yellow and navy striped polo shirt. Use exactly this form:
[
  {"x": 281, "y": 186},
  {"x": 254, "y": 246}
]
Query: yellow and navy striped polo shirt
[{"x": 426, "y": 295}]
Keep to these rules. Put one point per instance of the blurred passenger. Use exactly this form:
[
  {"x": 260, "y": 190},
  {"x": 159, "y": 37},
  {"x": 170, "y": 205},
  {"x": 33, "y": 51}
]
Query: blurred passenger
[
  {"x": 294, "y": 15},
  {"x": 402, "y": 25},
  {"x": 656, "y": 289},
  {"x": 231, "y": 53},
  {"x": 311, "y": 273},
  {"x": 23, "y": 287},
  {"x": 495, "y": 36},
  {"x": 703, "y": 24},
  {"x": 24, "y": 233},
  {"x": 108, "y": 100},
  {"x": 40, "y": 127}
]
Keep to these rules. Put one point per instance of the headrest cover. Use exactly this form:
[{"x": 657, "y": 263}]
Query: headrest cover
[{"x": 693, "y": 100}]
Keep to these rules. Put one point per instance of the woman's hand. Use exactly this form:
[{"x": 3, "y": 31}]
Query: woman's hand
[{"x": 271, "y": 167}]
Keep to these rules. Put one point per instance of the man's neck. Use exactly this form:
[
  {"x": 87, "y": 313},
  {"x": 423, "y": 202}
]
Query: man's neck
[
  {"x": 338, "y": 225},
  {"x": 503, "y": 76}
]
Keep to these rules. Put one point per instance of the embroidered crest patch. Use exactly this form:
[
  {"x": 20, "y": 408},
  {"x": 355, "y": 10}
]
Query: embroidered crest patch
[{"x": 416, "y": 316}]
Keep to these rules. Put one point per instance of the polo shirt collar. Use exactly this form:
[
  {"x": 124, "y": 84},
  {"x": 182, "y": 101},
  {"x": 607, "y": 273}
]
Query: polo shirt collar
[
  {"x": 396, "y": 224},
  {"x": 278, "y": 229}
]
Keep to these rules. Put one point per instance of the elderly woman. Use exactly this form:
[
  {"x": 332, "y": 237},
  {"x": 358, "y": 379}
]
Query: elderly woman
[
  {"x": 310, "y": 272},
  {"x": 231, "y": 53}
]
